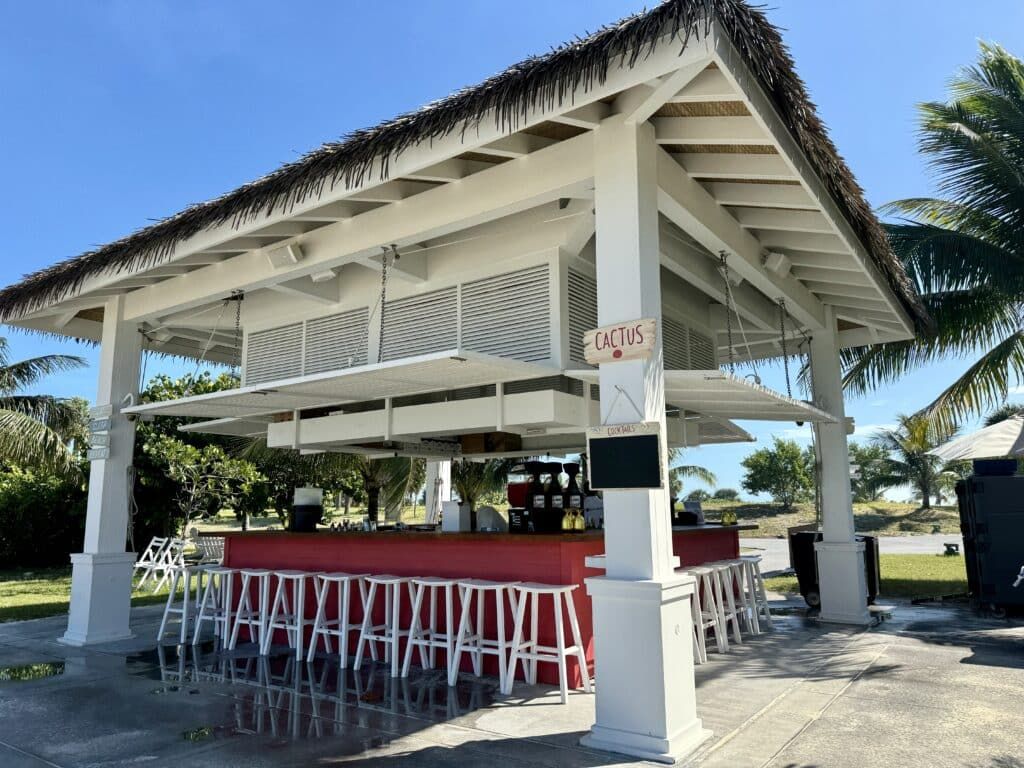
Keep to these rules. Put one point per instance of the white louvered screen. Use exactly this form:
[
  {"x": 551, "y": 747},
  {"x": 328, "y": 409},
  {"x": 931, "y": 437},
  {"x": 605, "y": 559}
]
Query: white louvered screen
[
  {"x": 676, "y": 344},
  {"x": 509, "y": 315},
  {"x": 273, "y": 354},
  {"x": 336, "y": 341},
  {"x": 582, "y": 295},
  {"x": 420, "y": 324},
  {"x": 702, "y": 352}
]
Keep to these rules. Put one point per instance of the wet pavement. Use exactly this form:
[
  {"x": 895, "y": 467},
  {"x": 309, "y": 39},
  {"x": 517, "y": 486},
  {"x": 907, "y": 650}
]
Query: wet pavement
[{"x": 936, "y": 686}]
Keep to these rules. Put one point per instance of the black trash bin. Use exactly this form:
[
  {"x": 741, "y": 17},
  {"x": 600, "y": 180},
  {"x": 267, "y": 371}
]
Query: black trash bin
[{"x": 804, "y": 561}]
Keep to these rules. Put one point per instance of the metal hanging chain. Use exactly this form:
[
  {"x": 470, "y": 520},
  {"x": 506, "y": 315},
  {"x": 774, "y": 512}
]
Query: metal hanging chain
[
  {"x": 723, "y": 267},
  {"x": 236, "y": 363},
  {"x": 785, "y": 354},
  {"x": 383, "y": 297}
]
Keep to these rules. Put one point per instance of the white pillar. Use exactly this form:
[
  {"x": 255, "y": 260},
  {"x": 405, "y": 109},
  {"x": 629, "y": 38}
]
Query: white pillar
[
  {"x": 645, "y": 693},
  {"x": 439, "y": 487},
  {"x": 102, "y": 573},
  {"x": 841, "y": 577}
]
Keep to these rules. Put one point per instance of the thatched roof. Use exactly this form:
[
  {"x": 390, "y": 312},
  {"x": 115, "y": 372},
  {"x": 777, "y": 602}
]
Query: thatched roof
[{"x": 540, "y": 82}]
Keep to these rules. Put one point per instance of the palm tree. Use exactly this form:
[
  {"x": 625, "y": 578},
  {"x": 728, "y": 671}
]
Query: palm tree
[
  {"x": 36, "y": 430},
  {"x": 384, "y": 480},
  {"x": 475, "y": 479},
  {"x": 908, "y": 461},
  {"x": 1004, "y": 412},
  {"x": 965, "y": 250},
  {"x": 677, "y": 474}
]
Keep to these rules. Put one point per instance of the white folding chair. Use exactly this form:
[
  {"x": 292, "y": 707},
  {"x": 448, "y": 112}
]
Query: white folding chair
[
  {"x": 151, "y": 558},
  {"x": 172, "y": 557}
]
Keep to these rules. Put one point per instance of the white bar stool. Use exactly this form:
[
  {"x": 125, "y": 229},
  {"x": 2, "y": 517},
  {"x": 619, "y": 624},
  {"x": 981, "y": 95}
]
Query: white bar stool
[
  {"x": 755, "y": 585},
  {"x": 528, "y": 648},
  {"x": 288, "y": 611},
  {"x": 216, "y": 605},
  {"x": 389, "y": 634},
  {"x": 341, "y": 627},
  {"x": 254, "y": 619},
  {"x": 474, "y": 640},
  {"x": 697, "y": 620},
  {"x": 428, "y": 639},
  {"x": 726, "y": 574},
  {"x": 709, "y": 589},
  {"x": 190, "y": 578}
]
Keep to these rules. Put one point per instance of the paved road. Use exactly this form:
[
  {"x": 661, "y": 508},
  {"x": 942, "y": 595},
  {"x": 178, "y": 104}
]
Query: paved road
[{"x": 775, "y": 552}]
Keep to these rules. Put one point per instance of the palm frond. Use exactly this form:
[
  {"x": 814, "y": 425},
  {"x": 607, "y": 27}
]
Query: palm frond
[
  {"x": 17, "y": 376},
  {"x": 26, "y": 441}
]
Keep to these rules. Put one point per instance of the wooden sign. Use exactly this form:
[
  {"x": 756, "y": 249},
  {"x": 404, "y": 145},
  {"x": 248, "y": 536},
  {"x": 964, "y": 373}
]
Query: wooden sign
[{"x": 622, "y": 341}]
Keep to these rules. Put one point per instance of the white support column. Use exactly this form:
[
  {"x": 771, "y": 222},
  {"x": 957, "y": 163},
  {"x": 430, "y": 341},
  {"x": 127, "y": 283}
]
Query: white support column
[
  {"x": 645, "y": 698},
  {"x": 102, "y": 573},
  {"x": 841, "y": 577},
  {"x": 439, "y": 487}
]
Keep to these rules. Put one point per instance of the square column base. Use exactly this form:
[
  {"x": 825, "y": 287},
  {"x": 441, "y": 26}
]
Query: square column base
[
  {"x": 643, "y": 648},
  {"x": 101, "y": 598},
  {"x": 842, "y": 582}
]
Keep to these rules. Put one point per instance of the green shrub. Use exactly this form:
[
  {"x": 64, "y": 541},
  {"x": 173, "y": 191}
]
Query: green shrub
[{"x": 42, "y": 518}]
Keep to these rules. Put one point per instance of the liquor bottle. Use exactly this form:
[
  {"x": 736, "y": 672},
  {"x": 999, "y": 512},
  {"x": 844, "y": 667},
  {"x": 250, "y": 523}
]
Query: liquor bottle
[
  {"x": 536, "y": 499},
  {"x": 555, "y": 496},
  {"x": 573, "y": 494}
]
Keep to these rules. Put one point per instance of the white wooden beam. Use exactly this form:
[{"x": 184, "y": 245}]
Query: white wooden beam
[
  {"x": 517, "y": 185},
  {"x": 693, "y": 210},
  {"x": 707, "y": 165},
  {"x": 826, "y": 275},
  {"x": 588, "y": 116},
  {"x": 666, "y": 88},
  {"x": 709, "y": 130},
  {"x": 516, "y": 145},
  {"x": 708, "y": 85},
  {"x": 838, "y": 300},
  {"x": 238, "y": 244},
  {"x": 410, "y": 266},
  {"x": 62, "y": 320},
  {"x": 305, "y": 288},
  {"x": 834, "y": 261},
  {"x": 838, "y": 288},
  {"x": 774, "y": 219},
  {"x": 449, "y": 170},
  {"x": 800, "y": 241},
  {"x": 761, "y": 195},
  {"x": 392, "y": 191},
  {"x": 337, "y": 211},
  {"x": 697, "y": 269}
]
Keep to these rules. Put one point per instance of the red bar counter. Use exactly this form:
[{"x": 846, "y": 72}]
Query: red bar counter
[{"x": 546, "y": 558}]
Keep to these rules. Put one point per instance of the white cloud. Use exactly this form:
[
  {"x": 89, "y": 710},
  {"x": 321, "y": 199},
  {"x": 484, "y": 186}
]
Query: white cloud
[{"x": 869, "y": 430}]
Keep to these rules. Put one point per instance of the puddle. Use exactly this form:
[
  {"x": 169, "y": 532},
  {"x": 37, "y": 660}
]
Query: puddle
[{"x": 25, "y": 672}]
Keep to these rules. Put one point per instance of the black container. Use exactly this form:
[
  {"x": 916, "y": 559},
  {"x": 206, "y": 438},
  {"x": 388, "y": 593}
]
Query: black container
[
  {"x": 305, "y": 517},
  {"x": 992, "y": 523},
  {"x": 573, "y": 494},
  {"x": 804, "y": 561},
  {"x": 995, "y": 467}
]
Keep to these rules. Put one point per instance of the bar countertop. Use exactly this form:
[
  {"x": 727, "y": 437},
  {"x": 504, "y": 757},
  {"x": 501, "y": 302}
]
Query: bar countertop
[{"x": 473, "y": 536}]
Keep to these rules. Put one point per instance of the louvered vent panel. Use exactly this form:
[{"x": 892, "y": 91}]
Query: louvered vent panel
[
  {"x": 509, "y": 315},
  {"x": 702, "y": 352},
  {"x": 676, "y": 344},
  {"x": 420, "y": 324},
  {"x": 275, "y": 353},
  {"x": 582, "y": 311},
  {"x": 336, "y": 341}
]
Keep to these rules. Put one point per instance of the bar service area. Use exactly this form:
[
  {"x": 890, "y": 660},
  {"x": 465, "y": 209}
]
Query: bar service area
[{"x": 582, "y": 283}]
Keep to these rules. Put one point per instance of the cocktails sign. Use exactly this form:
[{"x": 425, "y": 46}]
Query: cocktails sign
[{"x": 633, "y": 340}]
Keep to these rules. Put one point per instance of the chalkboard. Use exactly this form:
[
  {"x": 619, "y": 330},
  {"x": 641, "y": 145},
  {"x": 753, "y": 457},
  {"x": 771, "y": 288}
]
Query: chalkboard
[{"x": 625, "y": 462}]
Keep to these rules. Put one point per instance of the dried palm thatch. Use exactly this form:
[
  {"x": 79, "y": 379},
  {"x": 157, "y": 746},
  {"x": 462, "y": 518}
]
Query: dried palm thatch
[{"x": 539, "y": 83}]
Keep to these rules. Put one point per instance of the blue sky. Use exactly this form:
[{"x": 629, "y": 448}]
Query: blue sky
[{"x": 117, "y": 112}]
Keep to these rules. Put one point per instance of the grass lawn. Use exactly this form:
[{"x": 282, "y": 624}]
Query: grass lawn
[
  {"x": 906, "y": 576},
  {"x": 881, "y": 518},
  {"x": 40, "y": 592}
]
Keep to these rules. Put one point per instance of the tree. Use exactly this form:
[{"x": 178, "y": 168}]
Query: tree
[
  {"x": 37, "y": 430},
  {"x": 698, "y": 495},
  {"x": 870, "y": 460},
  {"x": 964, "y": 251},
  {"x": 384, "y": 480},
  {"x": 907, "y": 459},
  {"x": 726, "y": 494},
  {"x": 475, "y": 479},
  {"x": 676, "y": 474},
  {"x": 1004, "y": 412},
  {"x": 784, "y": 471}
]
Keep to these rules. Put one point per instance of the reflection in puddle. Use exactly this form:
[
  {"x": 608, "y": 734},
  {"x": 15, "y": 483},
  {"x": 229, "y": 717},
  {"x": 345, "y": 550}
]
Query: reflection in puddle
[
  {"x": 25, "y": 672},
  {"x": 281, "y": 699}
]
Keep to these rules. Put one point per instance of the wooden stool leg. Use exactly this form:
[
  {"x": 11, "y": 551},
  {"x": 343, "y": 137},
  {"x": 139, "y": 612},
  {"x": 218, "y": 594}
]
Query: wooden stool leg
[
  {"x": 577, "y": 640},
  {"x": 415, "y": 628},
  {"x": 563, "y": 683},
  {"x": 365, "y": 629},
  {"x": 517, "y": 641},
  {"x": 460, "y": 639}
]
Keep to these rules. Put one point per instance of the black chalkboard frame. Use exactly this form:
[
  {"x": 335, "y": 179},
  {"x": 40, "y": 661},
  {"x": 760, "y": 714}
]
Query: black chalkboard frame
[{"x": 620, "y": 443}]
